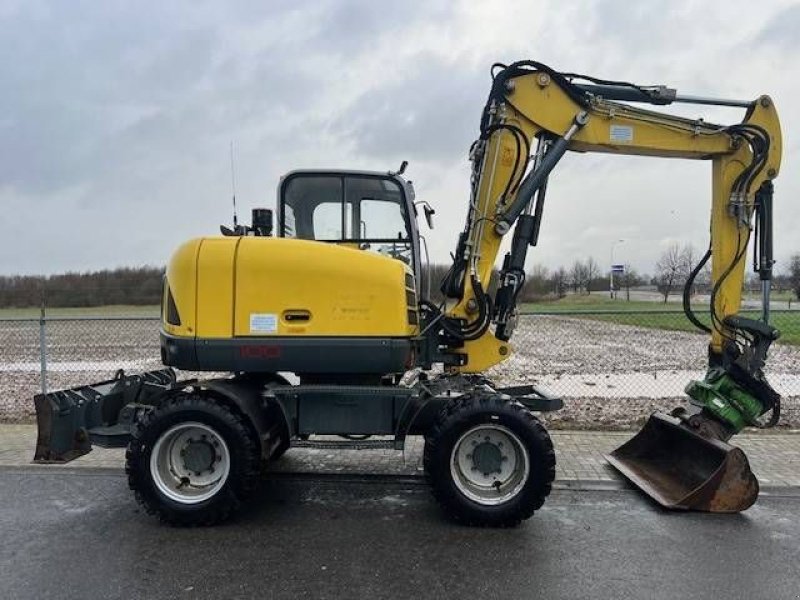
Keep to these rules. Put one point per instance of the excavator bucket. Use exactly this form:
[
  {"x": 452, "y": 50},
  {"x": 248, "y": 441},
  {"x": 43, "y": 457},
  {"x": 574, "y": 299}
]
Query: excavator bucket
[{"x": 683, "y": 470}]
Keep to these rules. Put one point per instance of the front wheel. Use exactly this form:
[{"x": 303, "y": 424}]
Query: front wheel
[
  {"x": 192, "y": 461},
  {"x": 489, "y": 461}
]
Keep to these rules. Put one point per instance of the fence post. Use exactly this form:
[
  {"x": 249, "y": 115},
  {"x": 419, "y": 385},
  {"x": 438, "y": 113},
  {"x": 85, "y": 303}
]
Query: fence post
[{"x": 43, "y": 350}]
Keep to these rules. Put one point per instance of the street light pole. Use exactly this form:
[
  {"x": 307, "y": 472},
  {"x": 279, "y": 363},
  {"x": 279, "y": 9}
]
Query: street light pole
[{"x": 611, "y": 270}]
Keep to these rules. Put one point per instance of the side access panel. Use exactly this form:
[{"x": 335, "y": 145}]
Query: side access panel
[{"x": 346, "y": 410}]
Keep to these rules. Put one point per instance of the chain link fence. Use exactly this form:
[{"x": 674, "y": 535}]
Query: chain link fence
[{"x": 612, "y": 368}]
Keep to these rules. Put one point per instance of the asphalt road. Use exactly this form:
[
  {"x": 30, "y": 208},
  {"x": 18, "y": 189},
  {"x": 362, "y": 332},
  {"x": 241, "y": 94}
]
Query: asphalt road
[{"x": 71, "y": 534}]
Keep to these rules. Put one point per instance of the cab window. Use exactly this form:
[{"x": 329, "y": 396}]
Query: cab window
[{"x": 369, "y": 212}]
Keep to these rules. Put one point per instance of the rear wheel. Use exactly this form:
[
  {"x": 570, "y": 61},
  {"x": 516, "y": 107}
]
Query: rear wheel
[
  {"x": 192, "y": 461},
  {"x": 489, "y": 461}
]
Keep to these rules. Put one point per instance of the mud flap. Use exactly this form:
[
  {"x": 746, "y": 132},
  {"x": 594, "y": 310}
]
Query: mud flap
[
  {"x": 70, "y": 421},
  {"x": 683, "y": 470}
]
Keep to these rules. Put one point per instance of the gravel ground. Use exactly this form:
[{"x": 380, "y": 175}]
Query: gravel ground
[
  {"x": 614, "y": 376},
  {"x": 610, "y": 375}
]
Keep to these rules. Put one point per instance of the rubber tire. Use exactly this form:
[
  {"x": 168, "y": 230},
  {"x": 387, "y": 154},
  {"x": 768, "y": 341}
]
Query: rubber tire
[
  {"x": 455, "y": 419},
  {"x": 242, "y": 445}
]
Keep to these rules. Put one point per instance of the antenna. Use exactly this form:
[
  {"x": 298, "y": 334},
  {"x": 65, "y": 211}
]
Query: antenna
[{"x": 233, "y": 190}]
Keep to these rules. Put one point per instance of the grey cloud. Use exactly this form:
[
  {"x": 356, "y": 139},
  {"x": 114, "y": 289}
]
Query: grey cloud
[
  {"x": 640, "y": 28},
  {"x": 98, "y": 88},
  {"x": 430, "y": 113},
  {"x": 126, "y": 91},
  {"x": 116, "y": 116},
  {"x": 782, "y": 29},
  {"x": 69, "y": 84},
  {"x": 352, "y": 25},
  {"x": 121, "y": 114}
]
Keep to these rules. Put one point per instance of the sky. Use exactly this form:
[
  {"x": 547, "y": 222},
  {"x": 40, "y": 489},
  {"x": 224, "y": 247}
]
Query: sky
[{"x": 116, "y": 117}]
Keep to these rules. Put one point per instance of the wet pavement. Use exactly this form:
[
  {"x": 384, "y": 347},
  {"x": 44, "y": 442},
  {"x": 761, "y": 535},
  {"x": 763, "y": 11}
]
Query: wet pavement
[{"x": 78, "y": 533}]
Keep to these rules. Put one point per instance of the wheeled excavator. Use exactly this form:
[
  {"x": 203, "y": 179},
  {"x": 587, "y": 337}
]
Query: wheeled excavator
[{"x": 335, "y": 298}]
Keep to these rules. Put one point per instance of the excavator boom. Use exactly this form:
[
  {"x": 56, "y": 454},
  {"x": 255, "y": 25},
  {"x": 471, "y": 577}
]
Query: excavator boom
[{"x": 533, "y": 116}]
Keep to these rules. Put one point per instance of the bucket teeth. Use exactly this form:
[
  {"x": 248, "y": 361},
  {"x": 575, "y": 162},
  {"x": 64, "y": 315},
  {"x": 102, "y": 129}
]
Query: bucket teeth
[{"x": 683, "y": 470}]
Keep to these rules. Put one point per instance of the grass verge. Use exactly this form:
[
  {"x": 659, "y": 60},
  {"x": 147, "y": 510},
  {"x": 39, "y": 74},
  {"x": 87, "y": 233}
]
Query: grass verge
[
  {"x": 652, "y": 315},
  {"x": 85, "y": 311}
]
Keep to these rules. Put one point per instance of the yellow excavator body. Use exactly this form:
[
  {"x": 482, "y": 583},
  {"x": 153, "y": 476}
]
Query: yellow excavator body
[{"x": 269, "y": 304}]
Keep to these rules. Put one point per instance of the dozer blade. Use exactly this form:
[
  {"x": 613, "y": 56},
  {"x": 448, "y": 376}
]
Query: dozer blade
[
  {"x": 71, "y": 421},
  {"x": 683, "y": 470}
]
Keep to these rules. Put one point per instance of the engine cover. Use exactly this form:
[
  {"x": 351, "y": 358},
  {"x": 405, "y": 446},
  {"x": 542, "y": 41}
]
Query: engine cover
[{"x": 268, "y": 304}]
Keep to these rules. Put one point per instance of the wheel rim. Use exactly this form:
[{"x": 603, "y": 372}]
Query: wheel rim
[
  {"x": 190, "y": 463},
  {"x": 489, "y": 464}
]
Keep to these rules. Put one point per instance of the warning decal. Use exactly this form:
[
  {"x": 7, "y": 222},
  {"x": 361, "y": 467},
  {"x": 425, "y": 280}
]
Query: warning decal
[
  {"x": 263, "y": 323},
  {"x": 621, "y": 133}
]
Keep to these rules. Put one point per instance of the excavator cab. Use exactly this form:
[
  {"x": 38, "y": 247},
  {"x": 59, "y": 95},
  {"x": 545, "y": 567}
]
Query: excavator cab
[{"x": 365, "y": 210}]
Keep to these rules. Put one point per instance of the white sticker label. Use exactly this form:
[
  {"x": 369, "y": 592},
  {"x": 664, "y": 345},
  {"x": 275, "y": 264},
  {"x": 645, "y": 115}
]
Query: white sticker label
[
  {"x": 263, "y": 323},
  {"x": 621, "y": 133}
]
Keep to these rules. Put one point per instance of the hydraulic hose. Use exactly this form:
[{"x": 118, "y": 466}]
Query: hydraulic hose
[{"x": 687, "y": 293}]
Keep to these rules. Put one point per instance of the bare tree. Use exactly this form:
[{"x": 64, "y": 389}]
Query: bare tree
[
  {"x": 673, "y": 269},
  {"x": 629, "y": 279},
  {"x": 781, "y": 281},
  {"x": 669, "y": 269},
  {"x": 558, "y": 281},
  {"x": 752, "y": 283},
  {"x": 703, "y": 279},
  {"x": 592, "y": 272},
  {"x": 129, "y": 285},
  {"x": 537, "y": 283},
  {"x": 794, "y": 274},
  {"x": 577, "y": 275},
  {"x": 688, "y": 259}
]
